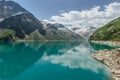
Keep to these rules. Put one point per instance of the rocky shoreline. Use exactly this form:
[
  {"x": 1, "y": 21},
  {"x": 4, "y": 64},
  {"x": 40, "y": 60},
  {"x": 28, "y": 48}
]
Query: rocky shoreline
[{"x": 111, "y": 58}]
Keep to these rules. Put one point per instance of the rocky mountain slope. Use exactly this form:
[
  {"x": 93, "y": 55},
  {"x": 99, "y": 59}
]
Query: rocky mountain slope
[
  {"x": 10, "y": 8},
  {"x": 109, "y": 32},
  {"x": 60, "y": 32},
  {"x": 27, "y": 27},
  {"x": 23, "y": 25}
]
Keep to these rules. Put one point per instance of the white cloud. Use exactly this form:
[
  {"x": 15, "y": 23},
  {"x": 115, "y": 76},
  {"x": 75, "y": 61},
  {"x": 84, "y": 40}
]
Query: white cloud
[{"x": 92, "y": 17}]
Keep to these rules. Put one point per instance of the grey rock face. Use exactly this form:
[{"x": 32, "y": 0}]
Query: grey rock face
[
  {"x": 22, "y": 24},
  {"x": 10, "y": 8}
]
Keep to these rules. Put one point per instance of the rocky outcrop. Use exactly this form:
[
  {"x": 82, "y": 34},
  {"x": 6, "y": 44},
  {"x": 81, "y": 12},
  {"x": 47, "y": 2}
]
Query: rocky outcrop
[{"x": 111, "y": 58}]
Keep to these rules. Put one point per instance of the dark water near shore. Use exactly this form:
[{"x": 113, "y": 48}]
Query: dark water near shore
[{"x": 51, "y": 61}]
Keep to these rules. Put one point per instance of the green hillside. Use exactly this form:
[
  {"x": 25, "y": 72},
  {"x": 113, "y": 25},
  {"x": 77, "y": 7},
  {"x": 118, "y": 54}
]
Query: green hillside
[{"x": 109, "y": 32}]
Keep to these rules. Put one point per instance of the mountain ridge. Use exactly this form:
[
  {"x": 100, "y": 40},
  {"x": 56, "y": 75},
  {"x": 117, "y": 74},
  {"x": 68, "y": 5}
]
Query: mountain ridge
[{"x": 27, "y": 27}]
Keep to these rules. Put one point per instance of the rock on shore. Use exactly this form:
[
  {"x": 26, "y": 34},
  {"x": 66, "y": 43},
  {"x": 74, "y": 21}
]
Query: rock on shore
[{"x": 111, "y": 58}]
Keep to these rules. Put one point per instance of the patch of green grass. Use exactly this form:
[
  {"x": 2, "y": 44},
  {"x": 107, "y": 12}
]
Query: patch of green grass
[{"x": 6, "y": 33}]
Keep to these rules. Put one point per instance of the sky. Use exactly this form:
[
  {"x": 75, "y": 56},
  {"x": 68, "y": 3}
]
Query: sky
[{"x": 73, "y": 12}]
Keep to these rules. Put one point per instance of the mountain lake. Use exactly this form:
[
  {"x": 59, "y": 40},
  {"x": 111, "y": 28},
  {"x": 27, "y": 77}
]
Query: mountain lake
[{"x": 58, "y": 60}]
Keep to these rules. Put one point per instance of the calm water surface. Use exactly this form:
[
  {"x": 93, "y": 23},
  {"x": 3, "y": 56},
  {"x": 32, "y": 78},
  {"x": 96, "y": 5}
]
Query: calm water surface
[{"x": 51, "y": 61}]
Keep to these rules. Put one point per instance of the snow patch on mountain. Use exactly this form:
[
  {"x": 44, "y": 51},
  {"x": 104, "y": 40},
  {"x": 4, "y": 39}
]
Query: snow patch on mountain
[
  {"x": 85, "y": 32},
  {"x": 54, "y": 25}
]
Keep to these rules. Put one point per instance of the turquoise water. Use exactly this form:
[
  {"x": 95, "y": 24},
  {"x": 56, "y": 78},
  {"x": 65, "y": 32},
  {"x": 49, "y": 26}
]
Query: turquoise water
[{"x": 51, "y": 61}]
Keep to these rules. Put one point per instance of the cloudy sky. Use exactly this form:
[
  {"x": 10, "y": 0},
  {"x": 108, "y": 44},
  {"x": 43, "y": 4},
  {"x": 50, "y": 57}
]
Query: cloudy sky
[{"x": 81, "y": 13}]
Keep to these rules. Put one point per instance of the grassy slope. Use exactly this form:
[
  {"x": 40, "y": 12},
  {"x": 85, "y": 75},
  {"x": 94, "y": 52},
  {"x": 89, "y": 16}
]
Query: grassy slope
[{"x": 109, "y": 32}]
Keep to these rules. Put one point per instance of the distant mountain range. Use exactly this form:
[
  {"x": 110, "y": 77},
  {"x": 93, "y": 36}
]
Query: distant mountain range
[
  {"x": 84, "y": 32},
  {"x": 109, "y": 32},
  {"x": 19, "y": 24}
]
